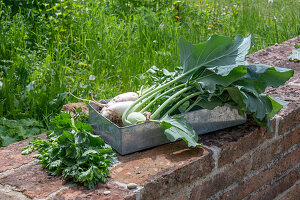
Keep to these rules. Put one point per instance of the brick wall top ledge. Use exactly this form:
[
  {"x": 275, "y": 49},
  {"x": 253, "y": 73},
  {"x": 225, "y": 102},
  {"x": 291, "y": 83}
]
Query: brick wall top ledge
[{"x": 161, "y": 172}]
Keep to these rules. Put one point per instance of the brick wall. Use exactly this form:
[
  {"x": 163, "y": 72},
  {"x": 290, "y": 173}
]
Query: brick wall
[{"x": 243, "y": 162}]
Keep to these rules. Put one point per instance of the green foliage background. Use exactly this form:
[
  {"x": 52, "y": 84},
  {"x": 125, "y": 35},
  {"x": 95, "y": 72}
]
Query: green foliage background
[{"x": 47, "y": 46}]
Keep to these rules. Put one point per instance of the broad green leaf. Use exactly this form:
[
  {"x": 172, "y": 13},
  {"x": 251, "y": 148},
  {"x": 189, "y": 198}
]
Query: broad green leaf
[
  {"x": 277, "y": 106},
  {"x": 216, "y": 51},
  {"x": 210, "y": 104},
  {"x": 259, "y": 77},
  {"x": 223, "y": 75},
  {"x": 177, "y": 127},
  {"x": 30, "y": 123},
  {"x": 86, "y": 175},
  {"x": 260, "y": 105},
  {"x": 7, "y": 140}
]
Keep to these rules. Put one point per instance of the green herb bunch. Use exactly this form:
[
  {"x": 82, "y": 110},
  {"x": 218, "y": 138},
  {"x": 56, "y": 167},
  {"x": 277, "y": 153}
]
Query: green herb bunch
[{"x": 71, "y": 151}]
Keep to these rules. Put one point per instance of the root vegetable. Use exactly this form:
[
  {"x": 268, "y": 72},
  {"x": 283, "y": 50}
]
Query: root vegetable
[
  {"x": 128, "y": 96},
  {"x": 135, "y": 117},
  {"x": 114, "y": 109}
]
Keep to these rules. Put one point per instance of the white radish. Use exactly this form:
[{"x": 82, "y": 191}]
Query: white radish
[
  {"x": 115, "y": 111},
  {"x": 128, "y": 96}
]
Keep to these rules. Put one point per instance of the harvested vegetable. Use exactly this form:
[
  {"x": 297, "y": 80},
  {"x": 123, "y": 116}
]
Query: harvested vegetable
[
  {"x": 114, "y": 109},
  {"x": 213, "y": 73},
  {"x": 128, "y": 96}
]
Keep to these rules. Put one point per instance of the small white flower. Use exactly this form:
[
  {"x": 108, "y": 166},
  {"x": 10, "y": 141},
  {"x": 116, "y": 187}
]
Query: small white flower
[
  {"x": 161, "y": 26},
  {"x": 82, "y": 85},
  {"x": 270, "y": 1},
  {"x": 154, "y": 41},
  {"x": 92, "y": 77}
]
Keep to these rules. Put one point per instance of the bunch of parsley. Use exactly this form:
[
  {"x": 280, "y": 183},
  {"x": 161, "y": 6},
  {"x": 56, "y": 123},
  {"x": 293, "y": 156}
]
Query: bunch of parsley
[{"x": 71, "y": 151}]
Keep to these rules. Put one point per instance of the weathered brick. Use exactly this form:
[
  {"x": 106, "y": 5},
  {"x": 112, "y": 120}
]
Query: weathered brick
[
  {"x": 222, "y": 180},
  {"x": 296, "y": 136},
  {"x": 262, "y": 156},
  {"x": 293, "y": 194},
  {"x": 172, "y": 180},
  {"x": 291, "y": 117},
  {"x": 288, "y": 161},
  {"x": 33, "y": 181},
  {"x": 7, "y": 193},
  {"x": 250, "y": 185},
  {"x": 233, "y": 150},
  {"x": 291, "y": 139},
  {"x": 169, "y": 158},
  {"x": 11, "y": 157},
  {"x": 273, "y": 190},
  {"x": 80, "y": 193},
  {"x": 181, "y": 197}
]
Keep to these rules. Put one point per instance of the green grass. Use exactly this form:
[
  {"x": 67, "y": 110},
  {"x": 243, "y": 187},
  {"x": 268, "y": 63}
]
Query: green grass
[{"x": 50, "y": 46}]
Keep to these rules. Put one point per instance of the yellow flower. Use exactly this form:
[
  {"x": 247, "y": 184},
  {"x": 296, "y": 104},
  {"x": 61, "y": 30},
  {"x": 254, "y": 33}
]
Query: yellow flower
[
  {"x": 177, "y": 17},
  {"x": 197, "y": 5}
]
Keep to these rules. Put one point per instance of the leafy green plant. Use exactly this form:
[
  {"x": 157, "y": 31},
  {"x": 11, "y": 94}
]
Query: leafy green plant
[
  {"x": 71, "y": 151},
  {"x": 49, "y": 45},
  {"x": 214, "y": 73},
  {"x": 16, "y": 130}
]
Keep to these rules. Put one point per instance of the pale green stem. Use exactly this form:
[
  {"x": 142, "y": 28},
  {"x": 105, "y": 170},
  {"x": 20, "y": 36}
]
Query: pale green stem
[
  {"x": 166, "y": 92},
  {"x": 148, "y": 90},
  {"x": 192, "y": 106},
  {"x": 160, "y": 108},
  {"x": 181, "y": 102},
  {"x": 158, "y": 89}
]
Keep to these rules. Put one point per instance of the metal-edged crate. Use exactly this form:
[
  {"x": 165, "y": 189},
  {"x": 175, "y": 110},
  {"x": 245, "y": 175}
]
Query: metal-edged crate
[{"x": 133, "y": 138}]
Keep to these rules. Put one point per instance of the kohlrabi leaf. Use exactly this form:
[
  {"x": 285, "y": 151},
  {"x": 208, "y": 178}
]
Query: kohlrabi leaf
[
  {"x": 277, "y": 105},
  {"x": 211, "y": 103},
  {"x": 261, "y": 106},
  {"x": 259, "y": 77},
  {"x": 216, "y": 51},
  {"x": 178, "y": 128},
  {"x": 223, "y": 75}
]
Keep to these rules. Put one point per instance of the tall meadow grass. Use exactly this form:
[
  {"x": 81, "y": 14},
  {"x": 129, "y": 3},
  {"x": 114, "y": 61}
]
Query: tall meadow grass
[{"x": 99, "y": 48}]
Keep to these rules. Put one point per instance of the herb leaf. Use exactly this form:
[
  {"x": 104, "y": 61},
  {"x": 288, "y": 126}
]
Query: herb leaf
[{"x": 73, "y": 152}]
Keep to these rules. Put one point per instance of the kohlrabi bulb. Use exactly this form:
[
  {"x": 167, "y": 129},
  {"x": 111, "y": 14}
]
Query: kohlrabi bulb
[{"x": 135, "y": 117}]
